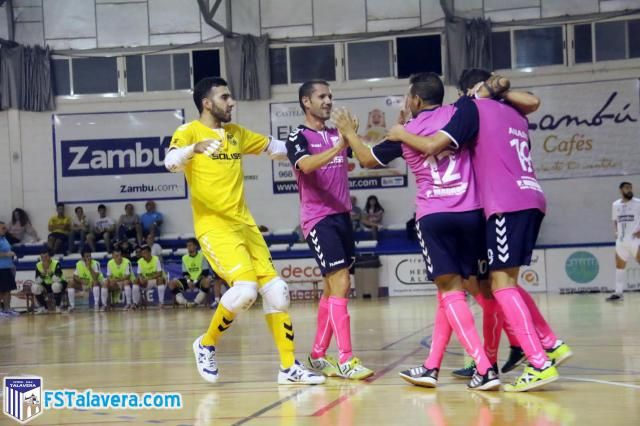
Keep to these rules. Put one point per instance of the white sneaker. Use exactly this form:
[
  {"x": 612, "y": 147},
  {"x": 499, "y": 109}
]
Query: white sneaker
[
  {"x": 71, "y": 309},
  {"x": 40, "y": 310},
  {"x": 103, "y": 308},
  {"x": 58, "y": 310},
  {"x": 206, "y": 360},
  {"x": 298, "y": 374}
]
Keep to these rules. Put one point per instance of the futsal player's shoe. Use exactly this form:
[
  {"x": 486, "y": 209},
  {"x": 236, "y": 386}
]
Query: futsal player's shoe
[
  {"x": 326, "y": 365},
  {"x": 354, "y": 370},
  {"x": 533, "y": 378},
  {"x": 206, "y": 360},
  {"x": 615, "y": 297},
  {"x": 516, "y": 357},
  {"x": 421, "y": 376},
  {"x": 465, "y": 372},
  {"x": 40, "y": 310},
  {"x": 298, "y": 374},
  {"x": 559, "y": 353},
  {"x": 485, "y": 382}
]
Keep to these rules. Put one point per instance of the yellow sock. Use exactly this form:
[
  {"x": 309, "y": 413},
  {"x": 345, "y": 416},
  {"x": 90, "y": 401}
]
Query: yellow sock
[
  {"x": 281, "y": 329},
  {"x": 221, "y": 320}
]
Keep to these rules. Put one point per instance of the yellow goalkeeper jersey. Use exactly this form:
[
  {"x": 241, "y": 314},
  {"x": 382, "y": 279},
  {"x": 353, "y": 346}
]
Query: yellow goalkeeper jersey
[{"x": 216, "y": 182}]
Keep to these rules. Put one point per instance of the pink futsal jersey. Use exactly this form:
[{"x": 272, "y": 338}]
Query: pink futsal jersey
[
  {"x": 502, "y": 161},
  {"x": 326, "y": 190},
  {"x": 445, "y": 182}
]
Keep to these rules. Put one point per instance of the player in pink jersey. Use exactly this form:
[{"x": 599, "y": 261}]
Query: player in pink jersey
[
  {"x": 514, "y": 206},
  {"x": 449, "y": 222},
  {"x": 319, "y": 158}
]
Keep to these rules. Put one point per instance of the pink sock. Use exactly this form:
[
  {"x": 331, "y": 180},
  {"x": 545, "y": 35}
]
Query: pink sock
[
  {"x": 341, "y": 326},
  {"x": 439, "y": 338},
  {"x": 513, "y": 340},
  {"x": 323, "y": 330},
  {"x": 517, "y": 315},
  {"x": 491, "y": 326},
  {"x": 545, "y": 333},
  {"x": 461, "y": 320}
]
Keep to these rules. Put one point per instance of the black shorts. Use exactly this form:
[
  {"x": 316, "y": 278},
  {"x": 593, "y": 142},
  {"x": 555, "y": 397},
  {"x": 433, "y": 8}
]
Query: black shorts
[
  {"x": 185, "y": 286},
  {"x": 511, "y": 238},
  {"x": 331, "y": 241},
  {"x": 7, "y": 280},
  {"x": 49, "y": 289},
  {"x": 451, "y": 243}
]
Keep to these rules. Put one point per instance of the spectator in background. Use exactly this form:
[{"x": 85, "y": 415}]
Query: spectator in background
[
  {"x": 356, "y": 214},
  {"x": 21, "y": 230},
  {"x": 151, "y": 220},
  {"x": 59, "y": 229},
  {"x": 129, "y": 225},
  {"x": 104, "y": 228},
  {"x": 79, "y": 230},
  {"x": 127, "y": 249},
  {"x": 372, "y": 216},
  {"x": 7, "y": 273},
  {"x": 156, "y": 249}
]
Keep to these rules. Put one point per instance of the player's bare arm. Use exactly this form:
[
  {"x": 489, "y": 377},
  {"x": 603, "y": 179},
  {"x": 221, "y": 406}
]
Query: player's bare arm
[
  {"x": 429, "y": 145},
  {"x": 311, "y": 163}
]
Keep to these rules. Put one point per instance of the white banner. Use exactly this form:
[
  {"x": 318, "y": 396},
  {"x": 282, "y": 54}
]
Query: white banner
[
  {"x": 533, "y": 278},
  {"x": 376, "y": 115},
  {"x": 586, "y": 129},
  {"x": 115, "y": 156},
  {"x": 406, "y": 275},
  {"x": 580, "y": 270}
]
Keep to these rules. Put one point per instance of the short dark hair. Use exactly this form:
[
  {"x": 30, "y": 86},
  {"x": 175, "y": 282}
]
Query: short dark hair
[
  {"x": 306, "y": 89},
  {"x": 102, "y": 206},
  {"x": 203, "y": 87},
  {"x": 472, "y": 76},
  {"x": 193, "y": 240},
  {"x": 85, "y": 251},
  {"x": 428, "y": 87},
  {"x": 59, "y": 205},
  {"x": 623, "y": 184},
  {"x": 45, "y": 250},
  {"x": 116, "y": 249},
  {"x": 78, "y": 208},
  {"x": 144, "y": 247}
]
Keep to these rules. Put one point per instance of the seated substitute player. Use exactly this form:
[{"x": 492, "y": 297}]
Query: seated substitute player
[
  {"x": 319, "y": 158},
  {"x": 88, "y": 275},
  {"x": 150, "y": 274},
  {"x": 210, "y": 152},
  {"x": 49, "y": 279},
  {"x": 196, "y": 274},
  {"x": 120, "y": 276}
]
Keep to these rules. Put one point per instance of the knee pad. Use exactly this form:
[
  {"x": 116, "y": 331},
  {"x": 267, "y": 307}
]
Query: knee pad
[
  {"x": 275, "y": 296},
  {"x": 180, "y": 299},
  {"x": 56, "y": 286},
  {"x": 37, "y": 289},
  {"x": 240, "y": 297}
]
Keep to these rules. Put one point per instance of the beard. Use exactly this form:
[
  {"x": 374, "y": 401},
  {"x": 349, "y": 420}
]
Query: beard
[
  {"x": 221, "y": 115},
  {"x": 627, "y": 195}
]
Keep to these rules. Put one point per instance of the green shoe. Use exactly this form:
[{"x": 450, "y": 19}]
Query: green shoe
[
  {"x": 533, "y": 378},
  {"x": 559, "y": 353},
  {"x": 354, "y": 370},
  {"x": 327, "y": 365}
]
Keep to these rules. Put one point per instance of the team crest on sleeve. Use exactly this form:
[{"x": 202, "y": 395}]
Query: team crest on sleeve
[{"x": 22, "y": 399}]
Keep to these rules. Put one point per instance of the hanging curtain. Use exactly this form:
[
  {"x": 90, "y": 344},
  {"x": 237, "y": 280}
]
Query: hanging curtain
[{"x": 247, "y": 63}]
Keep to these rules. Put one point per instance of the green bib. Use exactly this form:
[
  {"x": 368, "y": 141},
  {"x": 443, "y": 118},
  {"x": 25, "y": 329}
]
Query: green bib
[
  {"x": 83, "y": 272},
  {"x": 193, "y": 265},
  {"x": 149, "y": 268},
  {"x": 119, "y": 272},
  {"x": 47, "y": 278}
]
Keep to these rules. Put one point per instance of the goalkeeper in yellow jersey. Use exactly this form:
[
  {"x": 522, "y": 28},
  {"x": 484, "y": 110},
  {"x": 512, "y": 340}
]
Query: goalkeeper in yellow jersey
[{"x": 209, "y": 151}]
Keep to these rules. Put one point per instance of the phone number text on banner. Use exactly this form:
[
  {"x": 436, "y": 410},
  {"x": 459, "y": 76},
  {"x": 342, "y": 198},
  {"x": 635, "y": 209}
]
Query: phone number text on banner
[
  {"x": 115, "y": 156},
  {"x": 376, "y": 116}
]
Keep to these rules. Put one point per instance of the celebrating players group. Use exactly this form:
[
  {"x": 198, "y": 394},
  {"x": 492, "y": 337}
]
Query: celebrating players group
[{"x": 478, "y": 208}]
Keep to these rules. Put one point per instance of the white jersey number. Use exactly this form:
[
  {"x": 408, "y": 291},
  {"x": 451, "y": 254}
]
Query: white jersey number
[
  {"x": 449, "y": 174},
  {"x": 522, "y": 148}
]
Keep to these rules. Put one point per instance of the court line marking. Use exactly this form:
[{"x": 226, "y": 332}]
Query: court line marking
[
  {"x": 271, "y": 406},
  {"x": 602, "y": 382}
]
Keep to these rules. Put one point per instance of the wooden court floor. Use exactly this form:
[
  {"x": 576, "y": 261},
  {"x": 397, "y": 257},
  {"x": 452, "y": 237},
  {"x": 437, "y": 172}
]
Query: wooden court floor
[{"x": 151, "y": 352}]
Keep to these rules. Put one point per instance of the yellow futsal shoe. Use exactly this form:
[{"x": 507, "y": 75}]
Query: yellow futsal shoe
[
  {"x": 533, "y": 378},
  {"x": 327, "y": 365},
  {"x": 354, "y": 370},
  {"x": 559, "y": 353}
]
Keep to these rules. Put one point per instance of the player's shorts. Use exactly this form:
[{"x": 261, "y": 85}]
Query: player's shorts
[
  {"x": 482, "y": 273},
  {"x": 511, "y": 238},
  {"x": 331, "y": 241},
  {"x": 49, "y": 289},
  {"x": 451, "y": 243},
  {"x": 235, "y": 250},
  {"x": 627, "y": 249}
]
